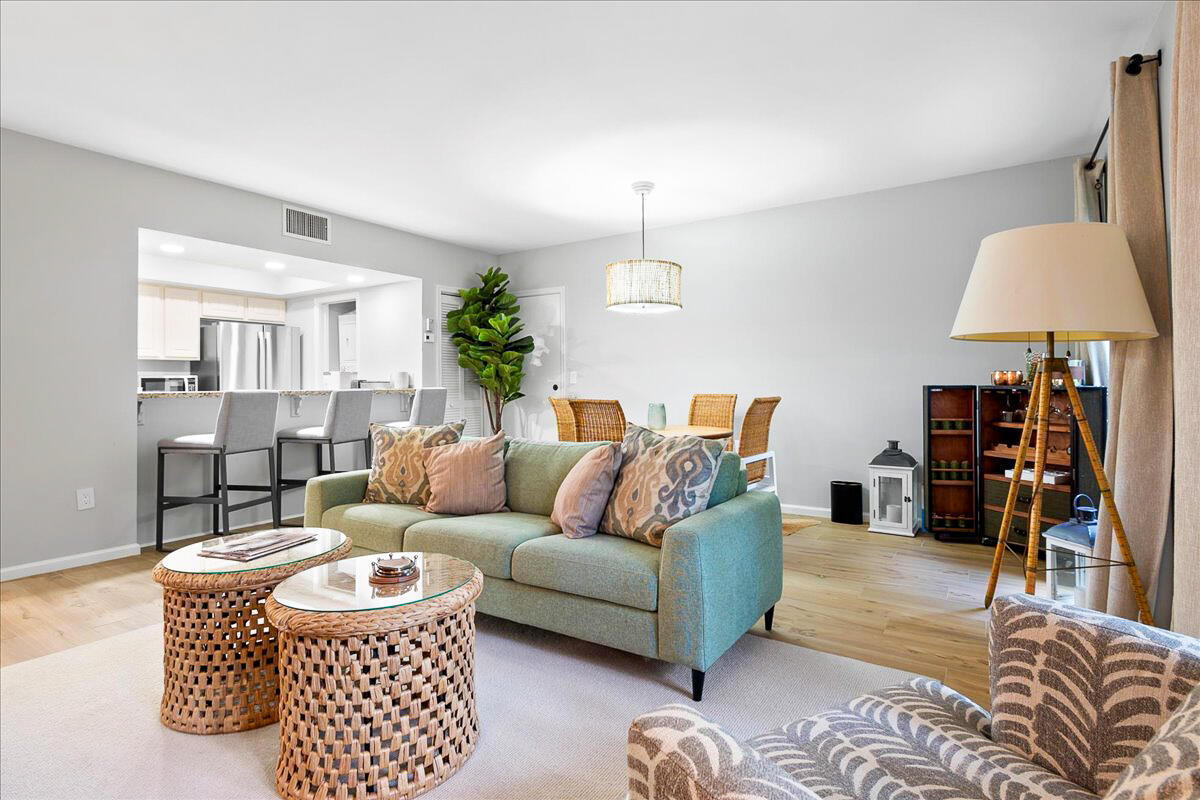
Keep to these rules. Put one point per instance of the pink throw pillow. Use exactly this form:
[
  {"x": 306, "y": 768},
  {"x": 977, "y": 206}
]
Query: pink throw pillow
[
  {"x": 583, "y": 495},
  {"x": 466, "y": 478}
]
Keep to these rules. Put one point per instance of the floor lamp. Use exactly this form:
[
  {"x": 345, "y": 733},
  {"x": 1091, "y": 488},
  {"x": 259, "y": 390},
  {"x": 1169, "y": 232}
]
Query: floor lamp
[{"x": 1075, "y": 280}]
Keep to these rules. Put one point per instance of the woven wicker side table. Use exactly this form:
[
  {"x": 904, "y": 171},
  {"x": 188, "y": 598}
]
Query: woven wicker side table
[
  {"x": 219, "y": 652},
  {"x": 377, "y": 683}
]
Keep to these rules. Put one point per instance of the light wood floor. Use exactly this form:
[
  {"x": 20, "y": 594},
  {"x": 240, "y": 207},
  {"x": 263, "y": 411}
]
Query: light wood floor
[{"x": 912, "y": 604}]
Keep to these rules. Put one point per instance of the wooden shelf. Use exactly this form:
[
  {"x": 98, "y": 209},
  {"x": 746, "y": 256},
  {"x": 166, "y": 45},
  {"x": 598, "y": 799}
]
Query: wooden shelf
[
  {"x": 1030, "y": 457},
  {"x": 1019, "y": 425},
  {"x": 1025, "y": 515},
  {"x": 951, "y": 433},
  {"x": 953, "y": 483},
  {"x": 1053, "y": 487}
]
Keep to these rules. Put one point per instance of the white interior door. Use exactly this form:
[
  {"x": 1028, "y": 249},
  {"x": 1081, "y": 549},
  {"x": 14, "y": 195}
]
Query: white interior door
[
  {"x": 463, "y": 396},
  {"x": 543, "y": 311}
]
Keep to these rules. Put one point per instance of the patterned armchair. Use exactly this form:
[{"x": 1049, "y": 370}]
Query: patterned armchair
[{"x": 1082, "y": 704}]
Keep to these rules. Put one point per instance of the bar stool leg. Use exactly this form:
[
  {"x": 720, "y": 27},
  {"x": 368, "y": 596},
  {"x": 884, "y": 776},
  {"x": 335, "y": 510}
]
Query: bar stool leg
[
  {"x": 216, "y": 487},
  {"x": 332, "y": 468},
  {"x": 158, "y": 505},
  {"x": 367, "y": 451},
  {"x": 224, "y": 492},
  {"x": 320, "y": 459},
  {"x": 274, "y": 483}
]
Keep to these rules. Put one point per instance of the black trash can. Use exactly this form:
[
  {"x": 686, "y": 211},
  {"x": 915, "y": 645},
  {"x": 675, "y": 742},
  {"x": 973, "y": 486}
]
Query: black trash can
[{"x": 845, "y": 502}]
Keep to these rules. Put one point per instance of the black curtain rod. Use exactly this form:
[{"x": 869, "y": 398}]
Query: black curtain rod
[{"x": 1133, "y": 67}]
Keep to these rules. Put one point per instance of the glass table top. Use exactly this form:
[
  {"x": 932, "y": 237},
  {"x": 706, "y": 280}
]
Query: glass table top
[
  {"x": 345, "y": 585},
  {"x": 188, "y": 559}
]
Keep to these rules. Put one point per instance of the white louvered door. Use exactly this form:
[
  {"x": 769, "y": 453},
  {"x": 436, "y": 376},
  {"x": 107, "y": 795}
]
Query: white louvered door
[{"x": 463, "y": 396}]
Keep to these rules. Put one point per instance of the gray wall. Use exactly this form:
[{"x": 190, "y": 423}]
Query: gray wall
[
  {"x": 68, "y": 272},
  {"x": 843, "y": 307}
]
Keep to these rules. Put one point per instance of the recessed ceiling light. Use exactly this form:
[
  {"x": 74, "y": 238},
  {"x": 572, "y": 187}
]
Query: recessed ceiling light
[
  {"x": 275, "y": 265},
  {"x": 354, "y": 278},
  {"x": 171, "y": 247}
]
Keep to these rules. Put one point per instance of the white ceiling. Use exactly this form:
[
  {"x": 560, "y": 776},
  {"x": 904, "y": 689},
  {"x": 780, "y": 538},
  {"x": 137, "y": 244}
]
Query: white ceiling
[
  {"x": 508, "y": 126},
  {"x": 187, "y": 261}
]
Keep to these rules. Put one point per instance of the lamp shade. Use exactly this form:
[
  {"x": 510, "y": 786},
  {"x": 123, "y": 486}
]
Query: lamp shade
[
  {"x": 643, "y": 285},
  {"x": 1074, "y": 279}
]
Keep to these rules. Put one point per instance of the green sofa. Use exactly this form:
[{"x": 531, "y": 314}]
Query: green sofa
[{"x": 717, "y": 572}]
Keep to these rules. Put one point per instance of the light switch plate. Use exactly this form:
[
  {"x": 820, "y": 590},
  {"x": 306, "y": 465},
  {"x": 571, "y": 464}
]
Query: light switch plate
[
  {"x": 85, "y": 499},
  {"x": 572, "y": 377}
]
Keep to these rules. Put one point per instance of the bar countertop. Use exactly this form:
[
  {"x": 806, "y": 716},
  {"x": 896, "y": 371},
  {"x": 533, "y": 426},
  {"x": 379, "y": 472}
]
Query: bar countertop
[{"x": 282, "y": 393}]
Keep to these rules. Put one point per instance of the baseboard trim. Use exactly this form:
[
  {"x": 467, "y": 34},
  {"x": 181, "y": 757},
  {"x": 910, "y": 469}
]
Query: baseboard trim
[
  {"x": 66, "y": 562},
  {"x": 806, "y": 511}
]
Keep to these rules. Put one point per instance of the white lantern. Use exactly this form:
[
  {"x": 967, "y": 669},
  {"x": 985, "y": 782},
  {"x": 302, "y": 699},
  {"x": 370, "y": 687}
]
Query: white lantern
[{"x": 894, "y": 491}]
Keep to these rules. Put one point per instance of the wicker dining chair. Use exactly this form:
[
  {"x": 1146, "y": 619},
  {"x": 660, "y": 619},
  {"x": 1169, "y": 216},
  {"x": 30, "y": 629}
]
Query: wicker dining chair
[
  {"x": 713, "y": 410},
  {"x": 753, "y": 446},
  {"x": 566, "y": 419},
  {"x": 598, "y": 420}
]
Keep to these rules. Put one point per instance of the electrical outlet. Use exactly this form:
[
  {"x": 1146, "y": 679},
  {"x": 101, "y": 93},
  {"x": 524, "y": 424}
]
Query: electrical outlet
[{"x": 85, "y": 499}]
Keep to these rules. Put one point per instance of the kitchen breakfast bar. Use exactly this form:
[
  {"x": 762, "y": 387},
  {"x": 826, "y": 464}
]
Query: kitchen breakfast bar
[{"x": 164, "y": 415}]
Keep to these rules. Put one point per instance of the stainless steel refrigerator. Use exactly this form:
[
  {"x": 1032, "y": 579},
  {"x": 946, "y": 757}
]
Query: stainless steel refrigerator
[{"x": 248, "y": 355}]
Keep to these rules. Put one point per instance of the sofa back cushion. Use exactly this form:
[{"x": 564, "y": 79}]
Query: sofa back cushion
[
  {"x": 466, "y": 478},
  {"x": 726, "y": 486},
  {"x": 662, "y": 481},
  {"x": 533, "y": 471},
  {"x": 398, "y": 466}
]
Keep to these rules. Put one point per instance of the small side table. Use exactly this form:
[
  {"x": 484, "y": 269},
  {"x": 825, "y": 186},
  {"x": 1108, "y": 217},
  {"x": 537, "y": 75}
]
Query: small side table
[
  {"x": 219, "y": 652},
  {"x": 377, "y": 683}
]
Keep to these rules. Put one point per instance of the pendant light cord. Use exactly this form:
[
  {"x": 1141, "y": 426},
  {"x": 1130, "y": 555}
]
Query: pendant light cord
[{"x": 643, "y": 227}]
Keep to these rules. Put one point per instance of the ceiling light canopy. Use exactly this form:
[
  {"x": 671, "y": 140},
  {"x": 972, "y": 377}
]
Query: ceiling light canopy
[
  {"x": 275, "y": 266},
  {"x": 172, "y": 248},
  {"x": 643, "y": 285}
]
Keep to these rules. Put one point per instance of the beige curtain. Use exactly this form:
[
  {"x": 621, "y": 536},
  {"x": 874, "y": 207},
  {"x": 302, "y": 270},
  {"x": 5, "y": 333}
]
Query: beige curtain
[
  {"x": 1140, "y": 442},
  {"x": 1185, "y": 287}
]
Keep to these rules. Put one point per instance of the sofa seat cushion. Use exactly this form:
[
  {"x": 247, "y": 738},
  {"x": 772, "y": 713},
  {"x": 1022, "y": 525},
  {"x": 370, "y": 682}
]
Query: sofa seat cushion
[
  {"x": 378, "y": 527},
  {"x": 918, "y": 739},
  {"x": 602, "y": 567},
  {"x": 486, "y": 540}
]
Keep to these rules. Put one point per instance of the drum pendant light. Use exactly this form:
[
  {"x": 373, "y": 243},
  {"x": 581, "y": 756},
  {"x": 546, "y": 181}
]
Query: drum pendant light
[{"x": 643, "y": 285}]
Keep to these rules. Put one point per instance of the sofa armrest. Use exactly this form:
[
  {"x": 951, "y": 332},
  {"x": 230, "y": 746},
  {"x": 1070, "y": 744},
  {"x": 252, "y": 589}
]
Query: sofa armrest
[
  {"x": 326, "y": 491},
  {"x": 1080, "y": 692},
  {"x": 720, "y": 571},
  {"x": 676, "y": 752}
]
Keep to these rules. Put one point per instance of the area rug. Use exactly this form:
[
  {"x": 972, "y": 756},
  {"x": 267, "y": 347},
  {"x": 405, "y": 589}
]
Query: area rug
[
  {"x": 794, "y": 524},
  {"x": 554, "y": 713}
]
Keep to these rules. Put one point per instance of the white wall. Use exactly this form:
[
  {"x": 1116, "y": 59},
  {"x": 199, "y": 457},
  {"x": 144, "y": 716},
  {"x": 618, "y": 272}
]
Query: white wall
[
  {"x": 68, "y": 272},
  {"x": 842, "y": 307}
]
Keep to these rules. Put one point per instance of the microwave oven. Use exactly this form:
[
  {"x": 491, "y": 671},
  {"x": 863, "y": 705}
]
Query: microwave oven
[{"x": 166, "y": 382}]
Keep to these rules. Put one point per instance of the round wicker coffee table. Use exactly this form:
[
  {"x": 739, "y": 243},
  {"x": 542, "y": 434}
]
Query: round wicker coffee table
[
  {"x": 377, "y": 683},
  {"x": 219, "y": 653}
]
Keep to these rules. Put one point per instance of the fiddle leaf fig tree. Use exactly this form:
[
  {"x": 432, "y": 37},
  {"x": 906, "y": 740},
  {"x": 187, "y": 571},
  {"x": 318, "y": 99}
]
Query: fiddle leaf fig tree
[{"x": 486, "y": 332}]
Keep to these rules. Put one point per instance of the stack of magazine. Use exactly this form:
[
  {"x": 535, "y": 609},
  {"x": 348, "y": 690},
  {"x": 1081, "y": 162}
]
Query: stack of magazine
[{"x": 257, "y": 545}]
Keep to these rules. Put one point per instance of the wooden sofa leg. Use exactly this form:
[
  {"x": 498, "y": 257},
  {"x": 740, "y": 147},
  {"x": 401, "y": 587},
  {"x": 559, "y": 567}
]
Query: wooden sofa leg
[
  {"x": 697, "y": 685},
  {"x": 769, "y": 617}
]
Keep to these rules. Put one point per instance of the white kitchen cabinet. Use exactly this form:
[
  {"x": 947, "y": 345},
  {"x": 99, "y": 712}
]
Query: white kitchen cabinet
[
  {"x": 222, "y": 305},
  {"x": 266, "y": 309},
  {"x": 181, "y": 323},
  {"x": 150, "y": 321}
]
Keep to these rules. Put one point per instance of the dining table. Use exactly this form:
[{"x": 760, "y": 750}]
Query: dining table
[{"x": 703, "y": 431}]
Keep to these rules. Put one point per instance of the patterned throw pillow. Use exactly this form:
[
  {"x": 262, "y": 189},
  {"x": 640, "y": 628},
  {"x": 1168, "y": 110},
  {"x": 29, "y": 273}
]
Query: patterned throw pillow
[
  {"x": 663, "y": 479},
  {"x": 398, "y": 469},
  {"x": 1169, "y": 767}
]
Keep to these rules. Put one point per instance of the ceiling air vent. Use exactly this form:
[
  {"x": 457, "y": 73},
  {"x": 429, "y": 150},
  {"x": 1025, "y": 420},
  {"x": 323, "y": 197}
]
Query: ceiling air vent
[{"x": 307, "y": 225}]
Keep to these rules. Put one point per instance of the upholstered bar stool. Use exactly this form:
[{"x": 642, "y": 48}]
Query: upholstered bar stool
[
  {"x": 428, "y": 408},
  {"x": 245, "y": 424},
  {"x": 347, "y": 419}
]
